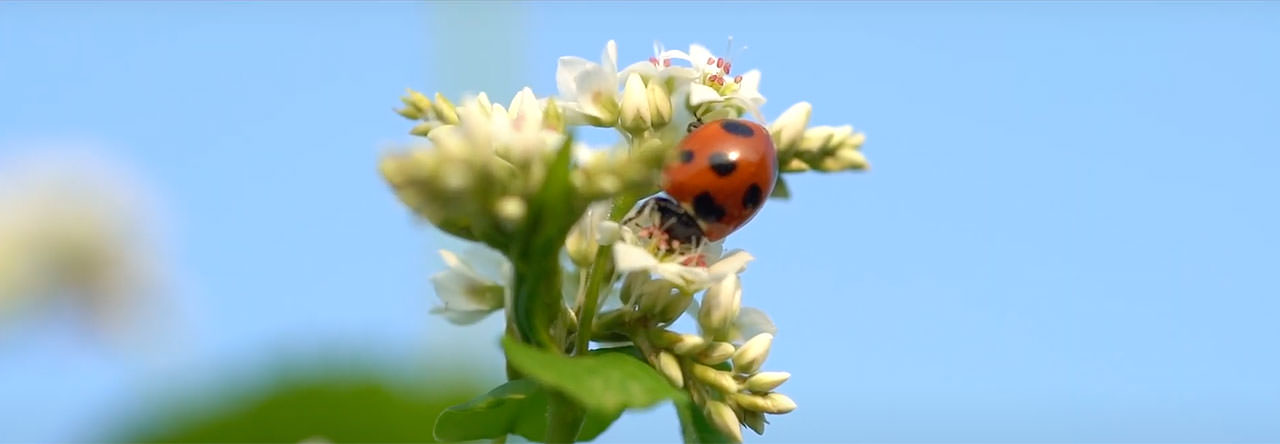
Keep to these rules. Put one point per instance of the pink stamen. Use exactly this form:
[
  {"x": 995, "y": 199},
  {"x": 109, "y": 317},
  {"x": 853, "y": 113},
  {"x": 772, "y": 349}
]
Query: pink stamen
[
  {"x": 737, "y": 79},
  {"x": 720, "y": 62},
  {"x": 726, "y": 67},
  {"x": 719, "y": 80},
  {"x": 711, "y": 61},
  {"x": 666, "y": 63},
  {"x": 653, "y": 60}
]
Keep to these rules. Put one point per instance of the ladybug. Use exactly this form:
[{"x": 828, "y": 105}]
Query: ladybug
[{"x": 724, "y": 172}]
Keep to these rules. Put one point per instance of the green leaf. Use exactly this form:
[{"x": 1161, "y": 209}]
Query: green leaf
[
  {"x": 517, "y": 407},
  {"x": 694, "y": 426},
  {"x": 602, "y": 383},
  {"x": 780, "y": 190}
]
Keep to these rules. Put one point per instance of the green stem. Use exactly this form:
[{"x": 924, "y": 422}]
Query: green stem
[
  {"x": 564, "y": 419},
  {"x": 589, "y": 306}
]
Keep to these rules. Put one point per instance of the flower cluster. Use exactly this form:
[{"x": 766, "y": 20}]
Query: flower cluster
[{"x": 511, "y": 178}]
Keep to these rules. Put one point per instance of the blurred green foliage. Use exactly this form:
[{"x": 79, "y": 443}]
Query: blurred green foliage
[{"x": 336, "y": 403}]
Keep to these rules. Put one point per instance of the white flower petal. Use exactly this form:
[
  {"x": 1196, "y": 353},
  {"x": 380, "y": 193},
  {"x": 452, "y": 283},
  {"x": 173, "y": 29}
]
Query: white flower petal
[
  {"x": 461, "y": 317},
  {"x": 567, "y": 71},
  {"x": 700, "y": 94},
  {"x": 628, "y": 258},
  {"x": 751, "y": 322},
  {"x": 733, "y": 263},
  {"x": 609, "y": 58},
  {"x": 690, "y": 278}
]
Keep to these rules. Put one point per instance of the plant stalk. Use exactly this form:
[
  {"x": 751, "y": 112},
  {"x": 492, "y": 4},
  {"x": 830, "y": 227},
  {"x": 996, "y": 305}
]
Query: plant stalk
[{"x": 564, "y": 419}]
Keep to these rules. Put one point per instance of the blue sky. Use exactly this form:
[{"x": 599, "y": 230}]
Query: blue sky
[{"x": 1068, "y": 232}]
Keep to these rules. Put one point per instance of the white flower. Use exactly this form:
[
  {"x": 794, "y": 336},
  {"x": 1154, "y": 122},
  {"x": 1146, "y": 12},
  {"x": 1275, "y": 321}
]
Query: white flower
[
  {"x": 634, "y": 254},
  {"x": 590, "y": 90},
  {"x": 472, "y": 293},
  {"x": 659, "y": 68},
  {"x": 714, "y": 84},
  {"x": 516, "y": 133}
]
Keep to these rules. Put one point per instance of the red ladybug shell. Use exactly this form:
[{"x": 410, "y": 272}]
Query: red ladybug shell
[{"x": 725, "y": 171}]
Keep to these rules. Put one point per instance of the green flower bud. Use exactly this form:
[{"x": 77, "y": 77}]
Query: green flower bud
[{"x": 444, "y": 109}]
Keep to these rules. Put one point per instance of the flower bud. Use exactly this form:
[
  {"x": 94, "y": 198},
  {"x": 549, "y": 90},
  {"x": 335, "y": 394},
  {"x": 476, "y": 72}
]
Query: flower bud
[
  {"x": 444, "y": 109},
  {"x": 653, "y": 295},
  {"x": 788, "y": 128},
  {"x": 817, "y": 139},
  {"x": 510, "y": 211},
  {"x": 670, "y": 367},
  {"x": 721, "y": 381},
  {"x": 552, "y": 117},
  {"x": 664, "y": 338},
  {"x": 409, "y": 112},
  {"x": 752, "y": 354},
  {"x": 720, "y": 306},
  {"x": 424, "y": 128},
  {"x": 689, "y": 345},
  {"x": 418, "y": 102},
  {"x": 722, "y": 416},
  {"x": 765, "y": 382},
  {"x": 774, "y": 403},
  {"x": 716, "y": 353},
  {"x": 674, "y": 307},
  {"x": 635, "y": 115},
  {"x": 795, "y": 166},
  {"x": 659, "y": 104},
  {"x": 607, "y": 233}
]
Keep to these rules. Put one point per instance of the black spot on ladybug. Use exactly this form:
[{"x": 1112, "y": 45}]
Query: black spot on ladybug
[
  {"x": 706, "y": 207},
  {"x": 722, "y": 164},
  {"x": 753, "y": 196},
  {"x": 736, "y": 128},
  {"x": 686, "y": 156}
]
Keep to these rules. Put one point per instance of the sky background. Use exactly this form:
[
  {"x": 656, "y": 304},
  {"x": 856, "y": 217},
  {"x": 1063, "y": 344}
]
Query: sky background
[{"x": 1068, "y": 233}]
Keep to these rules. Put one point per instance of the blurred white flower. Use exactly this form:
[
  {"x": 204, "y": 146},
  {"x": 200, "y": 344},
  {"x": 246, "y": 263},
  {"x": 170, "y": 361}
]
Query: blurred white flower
[
  {"x": 590, "y": 90},
  {"x": 471, "y": 292},
  {"x": 74, "y": 226}
]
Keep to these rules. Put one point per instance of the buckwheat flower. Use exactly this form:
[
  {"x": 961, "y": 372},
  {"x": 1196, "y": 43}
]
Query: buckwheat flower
[
  {"x": 590, "y": 90},
  {"x": 471, "y": 293},
  {"x": 659, "y": 68},
  {"x": 630, "y": 256},
  {"x": 716, "y": 83}
]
